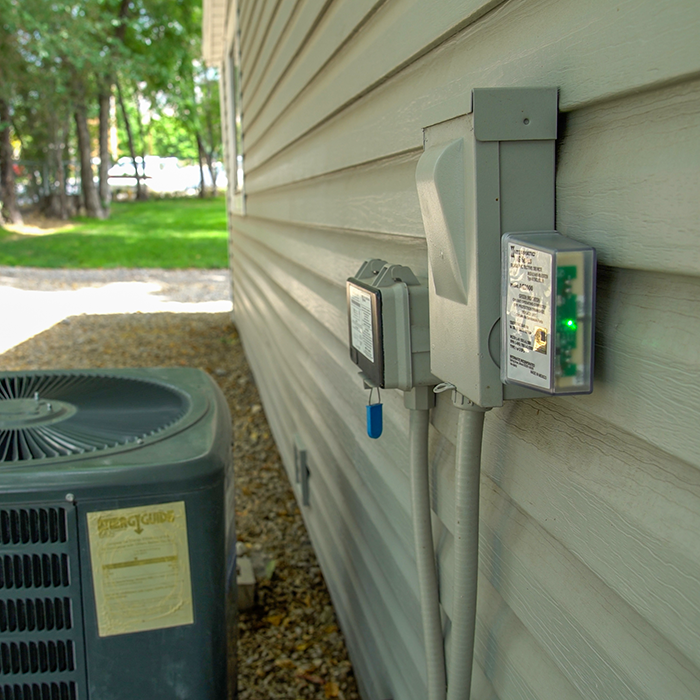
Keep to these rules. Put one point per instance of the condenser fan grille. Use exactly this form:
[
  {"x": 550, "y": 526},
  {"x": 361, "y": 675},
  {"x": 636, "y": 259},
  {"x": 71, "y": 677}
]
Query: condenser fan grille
[{"x": 54, "y": 415}]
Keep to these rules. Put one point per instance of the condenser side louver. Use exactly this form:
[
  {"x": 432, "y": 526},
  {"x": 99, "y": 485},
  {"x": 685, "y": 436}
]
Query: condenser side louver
[{"x": 112, "y": 535}]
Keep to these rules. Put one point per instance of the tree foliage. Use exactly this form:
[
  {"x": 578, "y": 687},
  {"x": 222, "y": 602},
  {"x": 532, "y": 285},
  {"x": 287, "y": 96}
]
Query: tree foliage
[{"x": 61, "y": 62}]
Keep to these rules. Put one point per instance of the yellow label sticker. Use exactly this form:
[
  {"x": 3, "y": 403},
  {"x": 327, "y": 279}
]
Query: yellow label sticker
[{"x": 140, "y": 568}]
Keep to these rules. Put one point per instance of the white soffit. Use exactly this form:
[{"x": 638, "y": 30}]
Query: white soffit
[{"x": 213, "y": 31}]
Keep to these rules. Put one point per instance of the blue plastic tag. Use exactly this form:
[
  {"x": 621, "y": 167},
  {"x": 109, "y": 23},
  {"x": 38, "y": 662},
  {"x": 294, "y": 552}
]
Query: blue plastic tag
[{"x": 374, "y": 420}]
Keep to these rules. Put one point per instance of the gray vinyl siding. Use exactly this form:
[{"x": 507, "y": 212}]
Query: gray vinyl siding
[{"x": 589, "y": 583}]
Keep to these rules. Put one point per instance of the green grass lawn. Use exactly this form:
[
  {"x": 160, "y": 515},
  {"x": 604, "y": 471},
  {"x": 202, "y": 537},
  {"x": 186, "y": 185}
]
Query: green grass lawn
[{"x": 165, "y": 233}]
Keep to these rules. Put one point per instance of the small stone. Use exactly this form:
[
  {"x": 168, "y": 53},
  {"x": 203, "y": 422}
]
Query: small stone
[{"x": 245, "y": 582}]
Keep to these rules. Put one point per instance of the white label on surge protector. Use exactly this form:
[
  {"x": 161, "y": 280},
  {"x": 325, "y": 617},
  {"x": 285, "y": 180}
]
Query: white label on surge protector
[
  {"x": 362, "y": 338},
  {"x": 529, "y": 316}
]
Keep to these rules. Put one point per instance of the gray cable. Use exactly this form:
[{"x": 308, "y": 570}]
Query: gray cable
[
  {"x": 466, "y": 546},
  {"x": 419, "y": 424}
]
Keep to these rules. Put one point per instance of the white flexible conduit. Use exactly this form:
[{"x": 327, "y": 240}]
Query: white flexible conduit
[
  {"x": 419, "y": 424},
  {"x": 466, "y": 546}
]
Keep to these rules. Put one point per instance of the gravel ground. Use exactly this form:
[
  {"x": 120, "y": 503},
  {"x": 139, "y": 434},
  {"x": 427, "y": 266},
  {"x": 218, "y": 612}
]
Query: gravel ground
[
  {"x": 289, "y": 643},
  {"x": 183, "y": 286}
]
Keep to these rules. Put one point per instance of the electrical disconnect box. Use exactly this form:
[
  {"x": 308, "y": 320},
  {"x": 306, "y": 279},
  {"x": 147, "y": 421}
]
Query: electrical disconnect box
[
  {"x": 547, "y": 305},
  {"x": 388, "y": 323},
  {"x": 483, "y": 175}
]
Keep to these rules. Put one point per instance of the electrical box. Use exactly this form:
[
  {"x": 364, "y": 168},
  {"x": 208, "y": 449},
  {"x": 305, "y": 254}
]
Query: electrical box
[
  {"x": 547, "y": 305},
  {"x": 389, "y": 326},
  {"x": 482, "y": 175}
]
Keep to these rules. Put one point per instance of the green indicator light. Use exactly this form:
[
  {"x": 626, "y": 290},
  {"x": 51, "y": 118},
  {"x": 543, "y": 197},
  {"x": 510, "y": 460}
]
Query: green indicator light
[{"x": 570, "y": 324}]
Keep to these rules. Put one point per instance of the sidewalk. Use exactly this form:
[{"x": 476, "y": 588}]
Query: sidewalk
[{"x": 32, "y": 299}]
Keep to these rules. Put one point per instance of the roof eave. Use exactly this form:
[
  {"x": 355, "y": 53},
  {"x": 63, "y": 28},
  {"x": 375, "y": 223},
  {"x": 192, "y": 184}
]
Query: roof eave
[{"x": 213, "y": 31}]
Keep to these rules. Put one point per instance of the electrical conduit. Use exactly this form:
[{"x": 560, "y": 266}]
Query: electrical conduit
[
  {"x": 419, "y": 401},
  {"x": 466, "y": 545}
]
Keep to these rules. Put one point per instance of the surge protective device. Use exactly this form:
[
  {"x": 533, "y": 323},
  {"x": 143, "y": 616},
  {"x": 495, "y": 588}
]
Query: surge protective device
[
  {"x": 547, "y": 296},
  {"x": 482, "y": 175}
]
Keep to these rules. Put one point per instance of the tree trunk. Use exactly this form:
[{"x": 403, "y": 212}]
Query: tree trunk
[
  {"x": 90, "y": 194},
  {"x": 200, "y": 149},
  {"x": 61, "y": 172},
  {"x": 210, "y": 166},
  {"x": 105, "y": 191},
  {"x": 209, "y": 156},
  {"x": 142, "y": 136},
  {"x": 130, "y": 140},
  {"x": 210, "y": 152},
  {"x": 52, "y": 199},
  {"x": 7, "y": 174}
]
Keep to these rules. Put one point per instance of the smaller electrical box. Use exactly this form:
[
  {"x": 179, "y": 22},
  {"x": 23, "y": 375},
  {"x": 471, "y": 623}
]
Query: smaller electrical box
[
  {"x": 547, "y": 310},
  {"x": 389, "y": 326}
]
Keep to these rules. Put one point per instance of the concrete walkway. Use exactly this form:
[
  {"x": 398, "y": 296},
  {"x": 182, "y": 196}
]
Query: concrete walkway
[{"x": 32, "y": 299}]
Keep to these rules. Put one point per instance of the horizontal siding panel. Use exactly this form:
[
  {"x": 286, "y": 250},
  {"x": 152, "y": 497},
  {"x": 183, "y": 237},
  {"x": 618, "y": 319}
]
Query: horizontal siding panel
[
  {"x": 651, "y": 407},
  {"x": 504, "y": 649},
  {"x": 334, "y": 498},
  {"x": 393, "y": 598},
  {"x": 635, "y": 311},
  {"x": 355, "y": 452},
  {"x": 529, "y": 587},
  {"x": 250, "y": 80},
  {"x": 253, "y": 52},
  {"x": 339, "y": 24},
  {"x": 396, "y": 36},
  {"x": 647, "y": 378},
  {"x": 516, "y": 664},
  {"x": 537, "y": 482},
  {"x": 322, "y": 300},
  {"x": 629, "y": 177},
  {"x": 362, "y": 647},
  {"x": 281, "y": 375},
  {"x": 604, "y": 648},
  {"x": 333, "y": 254},
  {"x": 300, "y": 27},
  {"x": 590, "y": 506},
  {"x": 438, "y": 86},
  {"x": 345, "y": 396},
  {"x": 393, "y": 495},
  {"x": 251, "y": 29},
  {"x": 627, "y": 171},
  {"x": 629, "y": 514},
  {"x": 649, "y": 45},
  {"x": 622, "y": 557},
  {"x": 347, "y": 588},
  {"x": 380, "y": 198},
  {"x": 245, "y": 10}
]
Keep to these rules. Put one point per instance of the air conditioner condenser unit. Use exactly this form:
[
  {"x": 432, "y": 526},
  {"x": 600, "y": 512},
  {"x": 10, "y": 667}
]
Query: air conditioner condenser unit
[{"x": 114, "y": 536}]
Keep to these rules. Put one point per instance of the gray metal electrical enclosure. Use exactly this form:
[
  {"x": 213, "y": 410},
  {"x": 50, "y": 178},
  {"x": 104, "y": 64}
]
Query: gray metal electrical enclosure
[{"x": 481, "y": 175}]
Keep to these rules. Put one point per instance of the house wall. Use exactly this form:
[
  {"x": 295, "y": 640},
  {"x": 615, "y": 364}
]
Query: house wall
[{"x": 589, "y": 581}]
